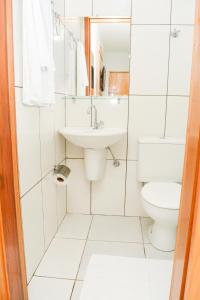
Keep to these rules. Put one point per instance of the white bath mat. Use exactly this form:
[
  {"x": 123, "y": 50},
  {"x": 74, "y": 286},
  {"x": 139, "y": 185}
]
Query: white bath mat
[{"x": 122, "y": 278}]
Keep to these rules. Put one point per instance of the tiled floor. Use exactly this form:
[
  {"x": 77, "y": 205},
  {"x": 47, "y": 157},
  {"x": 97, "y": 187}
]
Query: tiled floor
[{"x": 61, "y": 272}]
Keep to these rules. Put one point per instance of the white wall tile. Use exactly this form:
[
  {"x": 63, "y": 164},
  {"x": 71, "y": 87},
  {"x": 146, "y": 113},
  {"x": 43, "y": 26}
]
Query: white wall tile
[
  {"x": 47, "y": 138},
  {"x": 108, "y": 194},
  {"x": 180, "y": 61},
  {"x": 133, "y": 202},
  {"x": 114, "y": 115},
  {"x": 177, "y": 107},
  {"x": 147, "y": 118},
  {"x": 183, "y": 12},
  {"x": 61, "y": 197},
  {"x": 76, "y": 116},
  {"x": 50, "y": 208},
  {"x": 59, "y": 124},
  {"x": 28, "y": 141},
  {"x": 149, "y": 59},
  {"x": 78, "y": 8},
  {"x": 111, "y": 8},
  {"x": 17, "y": 36},
  {"x": 151, "y": 11},
  {"x": 78, "y": 188},
  {"x": 32, "y": 219}
]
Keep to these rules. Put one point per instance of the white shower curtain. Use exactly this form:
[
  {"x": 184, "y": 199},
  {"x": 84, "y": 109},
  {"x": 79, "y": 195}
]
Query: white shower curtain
[{"x": 38, "y": 61}]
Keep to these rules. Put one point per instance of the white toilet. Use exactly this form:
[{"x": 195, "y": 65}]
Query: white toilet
[{"x": 160, "y": 165}]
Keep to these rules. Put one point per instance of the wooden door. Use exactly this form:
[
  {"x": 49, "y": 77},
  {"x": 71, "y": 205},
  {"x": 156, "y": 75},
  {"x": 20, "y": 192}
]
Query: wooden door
[
  {"x": 186, "y": 281},
  {"x": 12, "y": 266},
  {"x": 118, "y": 83},
  {"x": 192, "y": 289}
]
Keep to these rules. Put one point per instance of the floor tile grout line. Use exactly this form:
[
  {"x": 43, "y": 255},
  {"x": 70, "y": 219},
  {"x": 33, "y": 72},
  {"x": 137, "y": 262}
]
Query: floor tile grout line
[
  {"x": 120, "y": 216},
  {"x": 142, "y": 236},
  {"x": 140, "y": 218},
  {"x": 76, "y": 279},
  {"x": 78, "y": 269},
  {"x": 119, "y": 242},
  {"x": 100, "y": 240},
  {"x": 72, "y": 291},
  {"x": 105, "y": 241},
  {"x": 34, "y": 274},
  {"x": 53, "y": 277}
]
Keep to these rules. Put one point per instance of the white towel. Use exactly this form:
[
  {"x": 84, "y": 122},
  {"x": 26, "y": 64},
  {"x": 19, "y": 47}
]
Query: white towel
[
  {"x": 70, "y": 65},
  {"x": 38, "y": 61},
  {"x": 82, "y": 76}
]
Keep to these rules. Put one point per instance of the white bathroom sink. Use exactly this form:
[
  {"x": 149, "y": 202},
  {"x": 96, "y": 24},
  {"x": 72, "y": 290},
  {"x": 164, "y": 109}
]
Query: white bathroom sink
[{"x": 87, "y": 137}]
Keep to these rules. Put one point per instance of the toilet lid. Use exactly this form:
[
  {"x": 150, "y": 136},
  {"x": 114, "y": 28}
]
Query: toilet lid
[{"x": 162, "y": 194}]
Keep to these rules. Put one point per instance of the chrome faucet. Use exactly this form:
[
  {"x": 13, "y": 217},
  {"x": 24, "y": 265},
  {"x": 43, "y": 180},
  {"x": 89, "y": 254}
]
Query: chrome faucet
[{"x": 96, "y": 124}]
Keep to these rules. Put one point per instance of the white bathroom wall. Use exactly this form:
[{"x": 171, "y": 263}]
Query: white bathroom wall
[
  {"x": 159, "y": 92},
  {"x": 77, "y": 8},
  {"x": 40, "y": 147},
  {"x": 116, "y": 61}
]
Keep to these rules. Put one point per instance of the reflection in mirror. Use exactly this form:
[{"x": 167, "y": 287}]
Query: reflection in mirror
[
  {"x": 109, "y": 56},
  {"x": 98, "y": 56}
]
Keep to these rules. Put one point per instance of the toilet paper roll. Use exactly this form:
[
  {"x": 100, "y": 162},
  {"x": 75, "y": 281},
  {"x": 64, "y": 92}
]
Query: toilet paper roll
[{"x": 61, "y": 175}]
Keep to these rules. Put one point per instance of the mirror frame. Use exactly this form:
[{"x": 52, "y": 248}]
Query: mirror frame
[{"x": 87, "y": 23}]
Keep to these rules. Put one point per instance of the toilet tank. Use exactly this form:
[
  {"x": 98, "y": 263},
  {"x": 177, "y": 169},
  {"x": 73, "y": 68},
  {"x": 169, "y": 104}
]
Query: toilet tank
[{"x": 160, "y": 159}]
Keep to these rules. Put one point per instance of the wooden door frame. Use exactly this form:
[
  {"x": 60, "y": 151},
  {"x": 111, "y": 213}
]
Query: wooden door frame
[
  {"x": 184, "y": 283},
  {"x": 12, "y": 263},
  {"x": 12, "y": 268},
  {"x": 192, "y": 290},
  {"x": 87, "y": 30}
]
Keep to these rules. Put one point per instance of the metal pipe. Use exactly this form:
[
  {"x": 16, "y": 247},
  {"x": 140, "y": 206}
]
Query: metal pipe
[{"x": 116, "y": 162}]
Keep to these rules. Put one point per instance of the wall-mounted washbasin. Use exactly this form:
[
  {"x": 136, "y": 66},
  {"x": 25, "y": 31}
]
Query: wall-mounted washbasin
[
  {"x": 93, "y": 138},
  {"x": 94, "y": 142}
]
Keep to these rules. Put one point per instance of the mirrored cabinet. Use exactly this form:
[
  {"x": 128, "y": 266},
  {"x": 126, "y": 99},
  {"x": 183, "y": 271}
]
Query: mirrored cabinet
[{"x": 98, "y": 56}]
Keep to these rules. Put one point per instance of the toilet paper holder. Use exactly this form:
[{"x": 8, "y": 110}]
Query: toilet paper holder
[{"x": 61, "y": 172}]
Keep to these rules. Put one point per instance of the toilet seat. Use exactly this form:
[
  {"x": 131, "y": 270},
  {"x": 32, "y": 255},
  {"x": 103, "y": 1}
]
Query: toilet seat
[{"x": 162, "y": 194}]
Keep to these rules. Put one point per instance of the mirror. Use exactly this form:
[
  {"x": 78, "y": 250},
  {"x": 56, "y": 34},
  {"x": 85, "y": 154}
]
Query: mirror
[{"x": 99, "y": 54}]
